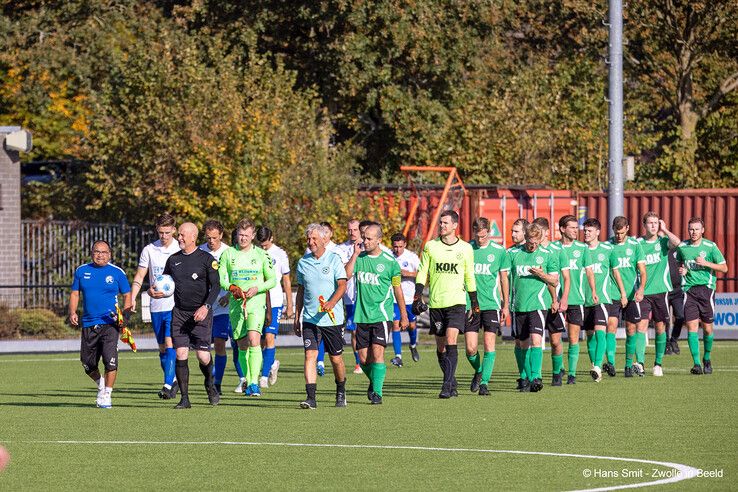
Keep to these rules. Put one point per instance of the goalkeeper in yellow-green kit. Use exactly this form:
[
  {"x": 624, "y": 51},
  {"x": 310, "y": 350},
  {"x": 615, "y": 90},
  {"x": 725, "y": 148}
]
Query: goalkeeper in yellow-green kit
[{"x": 246, "y": 272}]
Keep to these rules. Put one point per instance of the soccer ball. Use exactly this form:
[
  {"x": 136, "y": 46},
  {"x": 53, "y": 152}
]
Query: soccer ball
[{"x": 165, "y": 285}]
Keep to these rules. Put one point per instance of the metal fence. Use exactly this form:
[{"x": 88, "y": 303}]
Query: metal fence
[{"x": 52, "y": 250}]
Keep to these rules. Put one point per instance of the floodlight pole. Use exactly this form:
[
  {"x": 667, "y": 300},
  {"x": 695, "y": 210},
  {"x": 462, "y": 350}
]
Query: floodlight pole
[{"x": 615, "y": 163}]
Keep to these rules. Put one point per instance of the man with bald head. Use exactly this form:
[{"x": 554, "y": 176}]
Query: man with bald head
[{"x": 196, "y": 287}]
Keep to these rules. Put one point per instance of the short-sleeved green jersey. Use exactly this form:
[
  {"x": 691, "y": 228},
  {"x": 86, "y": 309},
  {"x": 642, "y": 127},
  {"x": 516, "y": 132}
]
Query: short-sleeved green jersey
[
  {"x": 449, "y": 269},
  {"x": 246, "y": 269},
  {"x": 561, "y": 264},
  {"x": 600, "y": 260},
  {"x": 687, "y": 254},
  {"x": 626, "y": 256},
  {"x": 575, "y": 255},
  {"x": 375, "y": 276},
  {"x": 489, "y": 261},
  {"x": 656, "y": 253},
  {"x": 531, "y": 293}
]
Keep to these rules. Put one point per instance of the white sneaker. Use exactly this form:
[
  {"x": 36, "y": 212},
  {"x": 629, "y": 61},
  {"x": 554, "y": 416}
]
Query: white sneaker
[
  {"x": 106, "y": 401},
  {"x": 273, "y": 372},
  {"x": 657, "y": 371},
  {"x": 263, "y": 382},
  {"x": 239, "y": 388},
  {"x": 357, "y": 369},
  {"x": 100, "y": 396}
]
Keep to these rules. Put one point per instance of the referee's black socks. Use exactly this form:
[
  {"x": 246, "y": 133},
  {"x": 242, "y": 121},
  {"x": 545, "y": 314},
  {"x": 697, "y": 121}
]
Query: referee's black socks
[
  {"x": 310, "y": 390},
  {"x": 182, "y": 370},
  {"x": 207, "y": 371},
  {"x": 341, "y": 386},
  {"x": 452, "y": 358}
]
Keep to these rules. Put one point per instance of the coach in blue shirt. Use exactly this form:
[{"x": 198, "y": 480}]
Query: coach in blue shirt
[
  {"x": 100, "y": 282},
  {"x": 320, "y": 273}
]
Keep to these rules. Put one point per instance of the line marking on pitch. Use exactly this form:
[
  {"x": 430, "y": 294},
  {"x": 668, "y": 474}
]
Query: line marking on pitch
[{"x": 683, "y": 472}]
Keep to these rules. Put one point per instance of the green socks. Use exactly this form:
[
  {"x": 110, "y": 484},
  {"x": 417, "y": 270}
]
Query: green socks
[
  {"x": 527, "y": 372},
  {"x": 610, "y": 351},
  {"x": 475, "y": 361},
  {"x": 488, "y": 364},
  {"x": 660, "y": 347},
  {"x": 520, "y": 360},
  {"x": 573, "y": 358},
  {"x": 599, "y": 347},
  {"x": 640, "y": 340},
  {"x": 255, "y": 360},
  {"x": 536, "y": 362},
  {"x": 378, "y": 372},
  {"x": 707, "y": 340},
  {"x": 630, "y": 344},
  {"x": 243, "y": 360},
  {"x": 367, "y": 368},
  {"x": 591, "y": 346},
  {"x": 693, "y": 339},
  {"x": 557, "y": 361}
]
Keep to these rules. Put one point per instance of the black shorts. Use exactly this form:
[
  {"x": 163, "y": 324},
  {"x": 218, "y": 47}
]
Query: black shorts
[
  {"x": 614, "y": 309},
  {"x": 657, "y": 306},
  {"x": 699, "y": 303},
  {"x": 449, "y": 317},
  {"x": 596, "y": 315},
  {"x": 372, "y": 334},
  {"x": 186, "y": 332},
  {"x": 529, "y": 323},
  {"x": 633, "y": 312},
  {"x": 676, "y": 299},
  {"x": 331, "y": 336},
  {"x": 555, "y": 322},
  {"x": 575, "y": 315},
  {"x": 488, "y": 319},
  {"x": 99, "y": 341}
]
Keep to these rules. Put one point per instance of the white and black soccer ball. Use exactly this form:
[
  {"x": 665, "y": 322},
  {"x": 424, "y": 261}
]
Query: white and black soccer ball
[{"x": 164, "y": 284}]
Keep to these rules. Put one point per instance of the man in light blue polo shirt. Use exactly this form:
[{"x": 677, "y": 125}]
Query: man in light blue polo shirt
[
  {"x": 321, "y": 282},
  {"x": 100, "y": 282}
]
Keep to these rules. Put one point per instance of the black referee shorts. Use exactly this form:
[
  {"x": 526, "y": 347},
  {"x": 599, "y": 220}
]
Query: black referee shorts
[
  {"x": 186, "y": 332},
  {"x": 99, "y": 341},
  {"x": 449, "y": 317}
]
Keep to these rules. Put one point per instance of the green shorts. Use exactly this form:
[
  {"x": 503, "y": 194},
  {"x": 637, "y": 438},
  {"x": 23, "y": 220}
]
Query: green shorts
[{"x": 241, "y": 326}]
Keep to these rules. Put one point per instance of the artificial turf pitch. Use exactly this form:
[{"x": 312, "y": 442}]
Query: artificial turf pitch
[{"x": 142, "y": 443}]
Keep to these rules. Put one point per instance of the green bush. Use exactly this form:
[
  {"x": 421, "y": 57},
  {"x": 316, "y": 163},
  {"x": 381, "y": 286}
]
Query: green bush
[{"x": 37, "y": 323}]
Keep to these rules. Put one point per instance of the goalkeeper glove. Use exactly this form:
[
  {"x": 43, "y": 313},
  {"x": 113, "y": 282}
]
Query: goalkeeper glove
[
  {"x": 236, "y": 292},
  {"x": 474, "y": 312},
  {"x": 419, "y": 306}
]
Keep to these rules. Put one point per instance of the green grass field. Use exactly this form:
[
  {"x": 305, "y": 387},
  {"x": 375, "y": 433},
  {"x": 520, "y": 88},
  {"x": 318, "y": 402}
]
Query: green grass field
[{"x": 270, "y": 443}]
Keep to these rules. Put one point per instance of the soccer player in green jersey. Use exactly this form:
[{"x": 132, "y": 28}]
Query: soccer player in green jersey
[
  {"x": 491, "y": 267},
  {"x": 573, "y": 295},
  {"x": 656, "y": 243},
  {"x": 447, "y": 263},
  {"x": 378, "y": 276},
  {"x": 517, "y": 233},
  {"x": 629, "y": 275},
  {"x": 555, "y": 321},
  {"x": 700, "y": 259},
  {"x": 534, "y": 278},
  {"x": 597, "y": 299},
  {"x": 246, "y": 272}
]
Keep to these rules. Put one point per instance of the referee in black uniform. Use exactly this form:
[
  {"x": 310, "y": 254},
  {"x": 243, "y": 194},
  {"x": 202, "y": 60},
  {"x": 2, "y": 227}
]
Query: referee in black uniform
[{"x": 196, "y": 287}]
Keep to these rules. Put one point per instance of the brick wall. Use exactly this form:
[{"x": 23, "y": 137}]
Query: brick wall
[{"x": 10, "y": 224}]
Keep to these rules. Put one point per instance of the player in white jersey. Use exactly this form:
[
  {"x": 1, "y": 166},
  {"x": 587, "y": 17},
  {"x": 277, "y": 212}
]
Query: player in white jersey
[
  {"x": 152, "y": 261},
  {"x": 281, "y": 265},
  {"x": 409, "y": 263},
  {"x": 221, "y": 322},
  {"x": 345, "y": 250}
]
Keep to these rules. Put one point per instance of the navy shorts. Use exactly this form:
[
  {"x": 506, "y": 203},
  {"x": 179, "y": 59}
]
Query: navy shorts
[
  {"x": 222, "y": 327},
  {"x": 408, "y": 310}
]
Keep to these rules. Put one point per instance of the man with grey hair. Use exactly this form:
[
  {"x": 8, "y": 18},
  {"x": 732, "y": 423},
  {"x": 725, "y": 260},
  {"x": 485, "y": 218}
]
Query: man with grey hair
[{"x": 321, "y": 282}]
